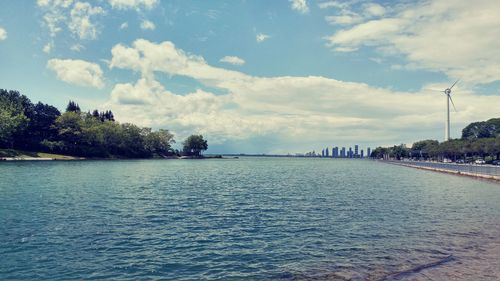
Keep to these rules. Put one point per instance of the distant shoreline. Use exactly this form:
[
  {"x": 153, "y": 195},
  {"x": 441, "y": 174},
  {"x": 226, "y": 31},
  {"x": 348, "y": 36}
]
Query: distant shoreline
[
  {"x": 71, "y": 158},
  {"x": 18, "y": 155}
]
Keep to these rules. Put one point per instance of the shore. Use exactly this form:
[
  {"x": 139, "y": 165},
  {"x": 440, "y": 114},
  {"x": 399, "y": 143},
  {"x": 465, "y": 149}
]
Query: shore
[
  {"x": 447, "y": 170},
  {"x": 19, "y": 155}
]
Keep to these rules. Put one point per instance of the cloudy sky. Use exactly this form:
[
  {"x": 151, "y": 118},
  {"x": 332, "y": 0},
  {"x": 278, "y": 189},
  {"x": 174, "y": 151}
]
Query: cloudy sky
[{"x": 259, "y": 76}]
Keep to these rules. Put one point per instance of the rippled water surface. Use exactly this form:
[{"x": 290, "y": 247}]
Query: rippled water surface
[{"x": 247, "y": 218}]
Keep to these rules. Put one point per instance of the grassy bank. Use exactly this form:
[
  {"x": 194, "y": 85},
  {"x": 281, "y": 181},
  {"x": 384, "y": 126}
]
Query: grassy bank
[{"x": 20, "y": 154}]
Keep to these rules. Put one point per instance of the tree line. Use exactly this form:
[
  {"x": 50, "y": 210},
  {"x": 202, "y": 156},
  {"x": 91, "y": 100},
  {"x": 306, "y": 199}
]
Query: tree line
[
  {"x": 479, "y": 140},
  {"x": 42, "y": 127}
]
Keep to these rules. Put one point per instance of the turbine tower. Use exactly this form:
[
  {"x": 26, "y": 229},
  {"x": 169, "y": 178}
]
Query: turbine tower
[{"x": 447, "y": 92}]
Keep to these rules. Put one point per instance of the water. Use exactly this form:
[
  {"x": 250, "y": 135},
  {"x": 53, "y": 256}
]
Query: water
[{"x": 248, "y": 218}]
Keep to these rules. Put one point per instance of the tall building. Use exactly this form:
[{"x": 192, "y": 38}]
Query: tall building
[
  {"x": 362, "y": 154},
  {"x": 326, "y": 152},
  {"x": 368, "y": 152},
  {"x": 342, "y": 152},
  {"x": 335, "y": 152},
  {"x": 356, "y": 147},
  {"x": 323, "y": 153},
  {"x": 349, "y": 154}
]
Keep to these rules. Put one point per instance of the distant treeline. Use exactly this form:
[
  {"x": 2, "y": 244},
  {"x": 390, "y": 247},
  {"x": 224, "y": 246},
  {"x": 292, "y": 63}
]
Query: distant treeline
[
  {"x": 42, "y": 127},
  {"x": 479, "y": 140}
]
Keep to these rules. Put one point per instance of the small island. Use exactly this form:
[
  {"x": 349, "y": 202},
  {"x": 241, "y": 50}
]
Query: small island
[{"x": 40, "y": 131}]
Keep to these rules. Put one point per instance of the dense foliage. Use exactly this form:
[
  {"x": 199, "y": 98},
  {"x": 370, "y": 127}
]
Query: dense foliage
[
  {"x": 194, "y": 145},
  {"x": 485, "y": 129},
  {"x": 479, "y": 140},
  {"x": 24, "y": 125}
]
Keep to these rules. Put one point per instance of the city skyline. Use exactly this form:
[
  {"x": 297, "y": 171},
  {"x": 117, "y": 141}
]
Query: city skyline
[{"x": 338, "y": 152}]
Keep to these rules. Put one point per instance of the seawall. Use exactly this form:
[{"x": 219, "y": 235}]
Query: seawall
[{"x": 444, "y": 169}]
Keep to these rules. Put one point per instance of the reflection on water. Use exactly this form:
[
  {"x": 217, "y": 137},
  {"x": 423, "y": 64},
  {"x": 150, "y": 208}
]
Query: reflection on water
[{"x": 248, "y": 218}]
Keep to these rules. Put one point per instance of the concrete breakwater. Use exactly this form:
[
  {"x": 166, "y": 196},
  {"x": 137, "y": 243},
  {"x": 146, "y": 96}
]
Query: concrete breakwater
[{"x": 488, "y": 172}]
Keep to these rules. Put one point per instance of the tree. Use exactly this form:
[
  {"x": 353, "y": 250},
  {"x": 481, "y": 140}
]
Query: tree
[
  {"x": 14, "y": 110},
  {"x": 399, "y": 151},
  {"x": 194, "y": 145},
  {"x": 132, "y": 141},
  {"x": 159, "y": 142},
  {"x": 40, "y": 126},
  {"x": 72, "y": 107},
  {"x": 10, "y": 123},
  {"x": 69, "y": 131},
  {"x": 485, "y": 129},
  {"x": 424, "y": 148}
]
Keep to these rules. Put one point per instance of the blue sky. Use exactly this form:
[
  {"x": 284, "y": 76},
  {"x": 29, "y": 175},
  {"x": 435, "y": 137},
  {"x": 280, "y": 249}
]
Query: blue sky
[{"x": 261, "y": 76}]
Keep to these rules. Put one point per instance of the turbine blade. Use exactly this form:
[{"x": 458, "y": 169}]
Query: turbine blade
[
  {"x": 449, "y": 96},
  {"x": 454, "y": 84}
]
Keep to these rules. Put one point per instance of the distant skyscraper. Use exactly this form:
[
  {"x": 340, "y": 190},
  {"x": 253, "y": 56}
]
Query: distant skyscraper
[
  {"x": 362, "y": 154},
  {"x": 335, "y": 152},
  {"x": 342, "y": 152},
  {"x": 323, "y": 153},
  {"x": 349, "y": 154},
  {"x": 326, "y": 152},
  {"x": 356, "y": 150},
  {"x": 368, "y": 152}
]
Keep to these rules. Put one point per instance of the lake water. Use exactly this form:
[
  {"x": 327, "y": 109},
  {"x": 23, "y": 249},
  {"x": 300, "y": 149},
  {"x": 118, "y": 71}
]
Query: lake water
[{"x": 244, "y": 219}]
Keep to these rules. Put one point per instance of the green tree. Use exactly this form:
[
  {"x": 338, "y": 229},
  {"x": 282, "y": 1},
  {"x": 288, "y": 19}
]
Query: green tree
[
  {"x": 40, "y": 126},
  {"x": 69, "y": 128},
  {"x": 132, "y": 141},
  {"x": 194, "y": 145},
  {"x": 14, "y": 110},
  {"x": 399, "y": 151},
  {"x": 379, "y": 152},
  {"x": 72, "y": 107},
  {"x": 10, "y": 123},
  {"x": 424, "y": 148},
  {"x": 485, "y": 129},
  {"x": 159, "y": 142}
]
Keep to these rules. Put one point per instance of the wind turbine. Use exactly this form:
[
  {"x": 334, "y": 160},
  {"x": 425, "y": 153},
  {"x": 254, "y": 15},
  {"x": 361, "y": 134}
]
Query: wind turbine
[{"x": 447, "y": 92}]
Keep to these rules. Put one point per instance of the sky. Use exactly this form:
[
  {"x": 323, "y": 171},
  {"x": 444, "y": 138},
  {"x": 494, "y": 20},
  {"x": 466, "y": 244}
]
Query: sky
[{"x": 259, "y": 76}]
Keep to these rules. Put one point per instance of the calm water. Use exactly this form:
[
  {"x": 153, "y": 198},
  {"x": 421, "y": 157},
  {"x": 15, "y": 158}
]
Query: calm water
[{"x": 248, "y": 218}]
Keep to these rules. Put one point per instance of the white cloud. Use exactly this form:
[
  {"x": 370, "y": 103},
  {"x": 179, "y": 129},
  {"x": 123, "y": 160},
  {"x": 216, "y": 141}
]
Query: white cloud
[
  {"x": 3, "y": 34},
  {"x": 77, "y": 47},
  {"x": 261, "y": 37},
  {"x": 42, "y": 3},
  {"x": 300, "y": 6},
  {"x": 74, "y": 16},
  {"x": 295, "y": 109},
  {"x": 233, "y": 60},
  {"x": 347, "y": 13},
  {"x": 124, "y": 25},
  {"x": 366, "y": 32},
  {"x": 77, "y": 72},
  {"x": 80, "y": 23},
  {"x": 373, "y": 9},
  {"x": 344, "y": 19},
  {"x": 133, "y": 4},
  {"x": 147, "y": 25},
  {"x": 333, "y": 4},
  {"x": 457, "y": 38},
  {"x": 55, "y": 14},
  {"x": 148, "y": 57},
  {"x": 48, "y": 47},
  {"x": 54, "y": 3}
]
